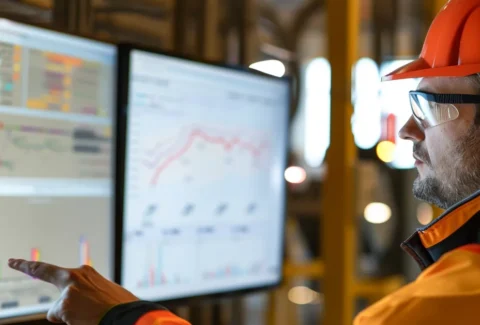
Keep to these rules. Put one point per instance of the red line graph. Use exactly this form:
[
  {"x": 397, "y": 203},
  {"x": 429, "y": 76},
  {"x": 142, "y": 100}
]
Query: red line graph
[
  {"x": 164, "y": 147},
  {"x": 199, "y": 134}
]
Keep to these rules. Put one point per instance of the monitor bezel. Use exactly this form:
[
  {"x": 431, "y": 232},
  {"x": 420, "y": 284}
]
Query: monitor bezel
[
  {"x": 39, "y": 318},
  {"x": 123, "y": 73}
]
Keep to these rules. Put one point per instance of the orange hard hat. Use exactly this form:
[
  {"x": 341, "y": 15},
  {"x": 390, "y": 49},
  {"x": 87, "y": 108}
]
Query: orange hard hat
[{"x": 452, "y": 45}]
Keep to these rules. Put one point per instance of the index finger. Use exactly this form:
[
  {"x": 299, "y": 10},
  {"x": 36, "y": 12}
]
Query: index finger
[{"x": 53, "y": 274}]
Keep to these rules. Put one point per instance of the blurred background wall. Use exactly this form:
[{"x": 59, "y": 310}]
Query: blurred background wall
[{"x": 315, "y": 42}]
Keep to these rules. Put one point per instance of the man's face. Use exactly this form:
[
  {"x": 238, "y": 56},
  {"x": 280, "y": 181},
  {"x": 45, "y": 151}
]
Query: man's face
[{"x": 447, "y": 155}]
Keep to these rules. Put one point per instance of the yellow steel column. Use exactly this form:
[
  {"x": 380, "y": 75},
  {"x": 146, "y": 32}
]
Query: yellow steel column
[
  {"x": 432, "y": 8},
  {"x": 338, "y": 222},
  {"x": 437, "y": 6}
]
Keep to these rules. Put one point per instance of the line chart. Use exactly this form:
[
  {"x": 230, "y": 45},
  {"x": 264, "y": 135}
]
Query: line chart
[{"x": 198, "y": 134}]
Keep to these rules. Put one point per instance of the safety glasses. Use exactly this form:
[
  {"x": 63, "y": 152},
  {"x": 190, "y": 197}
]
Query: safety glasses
[{"x": 430, "y": 110}]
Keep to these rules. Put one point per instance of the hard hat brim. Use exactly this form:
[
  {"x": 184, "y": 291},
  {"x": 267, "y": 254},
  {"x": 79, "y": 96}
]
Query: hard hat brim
[{"x": 419, "y": 68}]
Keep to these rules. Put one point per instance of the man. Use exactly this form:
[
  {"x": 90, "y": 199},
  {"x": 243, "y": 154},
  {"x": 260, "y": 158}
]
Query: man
[{"x": 445, "y": 130}]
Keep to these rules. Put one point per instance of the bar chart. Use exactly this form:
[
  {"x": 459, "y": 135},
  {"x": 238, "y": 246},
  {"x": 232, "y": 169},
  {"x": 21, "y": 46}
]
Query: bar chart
[{"x": 65, "y": 84}]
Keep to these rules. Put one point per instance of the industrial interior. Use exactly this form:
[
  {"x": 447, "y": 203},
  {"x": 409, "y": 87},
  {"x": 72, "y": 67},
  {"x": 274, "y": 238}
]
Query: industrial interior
[{"x": 347, "y": 177}]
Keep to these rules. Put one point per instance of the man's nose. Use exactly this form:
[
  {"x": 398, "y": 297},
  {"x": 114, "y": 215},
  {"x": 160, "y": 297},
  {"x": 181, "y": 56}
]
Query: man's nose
[{"x": 411, "y": 131}]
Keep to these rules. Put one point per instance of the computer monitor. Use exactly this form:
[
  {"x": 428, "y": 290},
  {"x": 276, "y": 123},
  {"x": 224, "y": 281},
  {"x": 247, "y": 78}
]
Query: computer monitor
[
  {"x": 200, "y": 181},
  {"x": 57, "y": 99}
]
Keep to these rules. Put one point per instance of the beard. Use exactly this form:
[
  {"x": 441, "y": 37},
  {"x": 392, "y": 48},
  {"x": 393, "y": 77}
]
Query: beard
[
  {"x": 431, "y": 191},
  {"x": 453, "y": 182}
]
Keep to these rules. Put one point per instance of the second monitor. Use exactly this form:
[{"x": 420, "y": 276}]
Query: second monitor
[
  {"x": 201, "y": 190},
  {"x": 57, "y": 96}
]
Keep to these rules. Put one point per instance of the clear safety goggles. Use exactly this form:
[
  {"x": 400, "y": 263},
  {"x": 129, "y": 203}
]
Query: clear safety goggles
[{"x": 430, "y": 110}]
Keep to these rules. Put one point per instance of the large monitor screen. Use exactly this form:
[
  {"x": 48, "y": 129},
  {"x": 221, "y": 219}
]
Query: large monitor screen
[
  {"x": 56, "y": 114},
  {"x": 203, "y": 188}
]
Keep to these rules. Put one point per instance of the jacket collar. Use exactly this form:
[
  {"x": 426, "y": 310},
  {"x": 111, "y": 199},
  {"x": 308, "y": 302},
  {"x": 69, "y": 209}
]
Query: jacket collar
[{"x": 458, "y": 226}]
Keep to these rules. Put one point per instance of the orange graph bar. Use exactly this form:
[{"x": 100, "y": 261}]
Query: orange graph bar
[
  {"x": 67, "y": 60},
  {"x": 36, "y": 104},
  {"x": 35, "y": 255},
  {"x": 17, "y": 54},
  {"x": 84, "y": 252}
]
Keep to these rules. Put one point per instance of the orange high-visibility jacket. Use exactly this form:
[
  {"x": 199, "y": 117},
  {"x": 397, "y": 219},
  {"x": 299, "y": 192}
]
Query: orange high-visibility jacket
[
  {"x": 141, "y": 313},
  {"x": 447, "y": 292}
]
